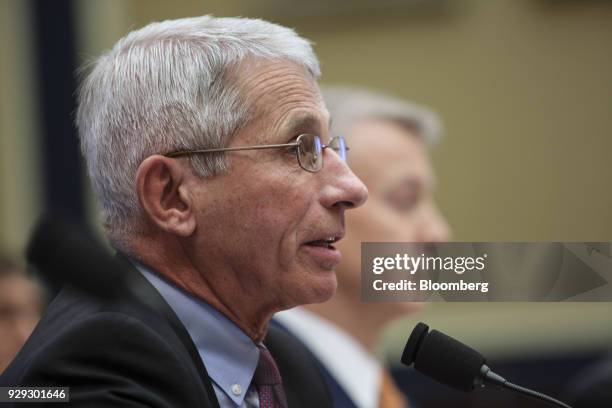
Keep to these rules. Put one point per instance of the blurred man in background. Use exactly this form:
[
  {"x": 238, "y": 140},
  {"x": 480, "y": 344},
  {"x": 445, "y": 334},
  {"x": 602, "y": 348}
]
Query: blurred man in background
[
  {"x": 389, "y": 140},
  {"x": 21, "y": 303}
]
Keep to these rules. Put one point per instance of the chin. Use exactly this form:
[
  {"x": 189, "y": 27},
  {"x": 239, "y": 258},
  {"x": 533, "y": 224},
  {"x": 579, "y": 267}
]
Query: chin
[
  {"x": 403, "y": 308},
  {"x": 320, "y": 288}
]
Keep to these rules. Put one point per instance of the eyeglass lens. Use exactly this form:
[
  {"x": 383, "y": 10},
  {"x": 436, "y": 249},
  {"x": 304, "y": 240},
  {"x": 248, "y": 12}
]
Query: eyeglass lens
[
  {"x": 339, "y": 145},
  {"x": 310, "y": 151}
]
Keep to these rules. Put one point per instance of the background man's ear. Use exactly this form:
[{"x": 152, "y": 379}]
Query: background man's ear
[{"x": 163, "y": 193}]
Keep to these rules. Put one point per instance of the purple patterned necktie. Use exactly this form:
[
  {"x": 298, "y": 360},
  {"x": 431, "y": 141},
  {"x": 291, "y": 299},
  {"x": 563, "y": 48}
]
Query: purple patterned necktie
[{"x": 268, "y": 381}]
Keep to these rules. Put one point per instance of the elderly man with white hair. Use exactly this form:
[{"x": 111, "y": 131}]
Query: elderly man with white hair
[
  {"x": 207, "y": 145},
  {"x": 389, "y": 139}
]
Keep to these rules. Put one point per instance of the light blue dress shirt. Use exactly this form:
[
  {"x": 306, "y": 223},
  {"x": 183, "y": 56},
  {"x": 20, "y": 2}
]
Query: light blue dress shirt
[{"x": 229, "y": 355}]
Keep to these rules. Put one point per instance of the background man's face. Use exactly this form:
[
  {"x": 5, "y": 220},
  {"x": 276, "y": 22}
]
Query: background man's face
[
  {"x": 20, "y": 307},
  {"x": 395, "y": 166},
  {"x": 259, "y": 219}
]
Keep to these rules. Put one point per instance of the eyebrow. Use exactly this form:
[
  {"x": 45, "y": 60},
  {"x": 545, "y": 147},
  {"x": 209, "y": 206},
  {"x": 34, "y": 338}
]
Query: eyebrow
[{"x": 304, "y": 121}]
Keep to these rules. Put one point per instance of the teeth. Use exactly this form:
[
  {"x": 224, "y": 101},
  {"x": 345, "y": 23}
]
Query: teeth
[{"x": 330, "y": 240}]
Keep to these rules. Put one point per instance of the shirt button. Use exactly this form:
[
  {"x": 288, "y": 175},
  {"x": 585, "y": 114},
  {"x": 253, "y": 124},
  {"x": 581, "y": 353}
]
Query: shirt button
[{"x": 236, "y": 389}]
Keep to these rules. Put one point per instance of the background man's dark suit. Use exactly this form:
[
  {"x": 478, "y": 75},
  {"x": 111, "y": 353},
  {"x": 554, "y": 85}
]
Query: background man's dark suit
[
  {"x": 339, "y": 397},
  {"x": 134, "y": 351}
]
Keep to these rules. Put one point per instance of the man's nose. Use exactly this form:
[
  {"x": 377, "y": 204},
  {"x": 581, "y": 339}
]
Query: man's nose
[{"x": 342, "y": 188}]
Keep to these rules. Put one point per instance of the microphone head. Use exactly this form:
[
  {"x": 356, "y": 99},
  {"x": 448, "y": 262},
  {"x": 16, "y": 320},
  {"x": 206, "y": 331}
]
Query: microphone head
[
  {"x": 414, "y": 343},
  {"x": 443, "y": 358}
]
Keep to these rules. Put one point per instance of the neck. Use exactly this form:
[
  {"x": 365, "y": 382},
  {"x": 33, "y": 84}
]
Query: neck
[
  {"x": 214, "y": 285},
  {"x": 362, "y": 320}
]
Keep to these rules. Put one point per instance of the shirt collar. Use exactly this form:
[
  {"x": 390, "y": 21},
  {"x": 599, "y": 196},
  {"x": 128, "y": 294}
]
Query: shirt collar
[
  {"x": 229, "y": 355},
  {"x": 356, "y": 370}
]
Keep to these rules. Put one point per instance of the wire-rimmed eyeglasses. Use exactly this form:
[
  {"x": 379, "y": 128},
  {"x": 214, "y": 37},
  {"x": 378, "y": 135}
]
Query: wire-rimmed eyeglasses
[{"x": 308, "y": 149}]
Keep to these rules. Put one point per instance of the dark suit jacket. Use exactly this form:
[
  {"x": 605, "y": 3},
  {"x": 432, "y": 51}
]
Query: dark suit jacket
[
  {"x": 339, "y": 397},
  {"x": 133, "y": 351}
]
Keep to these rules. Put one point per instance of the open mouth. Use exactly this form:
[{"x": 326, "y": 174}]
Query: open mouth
[{"x": 324, "y": 243}]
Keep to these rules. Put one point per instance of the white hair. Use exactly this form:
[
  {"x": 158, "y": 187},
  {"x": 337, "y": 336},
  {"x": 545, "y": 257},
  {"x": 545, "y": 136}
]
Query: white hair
[
  {"x": 348, "y": 105},
  {"x": 165, "y": 87}
]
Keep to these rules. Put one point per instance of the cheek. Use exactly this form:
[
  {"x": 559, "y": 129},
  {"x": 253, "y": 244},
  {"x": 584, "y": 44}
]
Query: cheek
[
  {"x": 377, "y": 221},
  {"x": 262, "y": 216},
  {"x": 276, "y": 208}
]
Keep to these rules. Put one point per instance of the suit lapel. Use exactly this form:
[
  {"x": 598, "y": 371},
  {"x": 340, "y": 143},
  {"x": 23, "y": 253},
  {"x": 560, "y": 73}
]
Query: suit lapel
[
  {"x": 302, "y": 379},
  {"x": 146, "y": 294}
]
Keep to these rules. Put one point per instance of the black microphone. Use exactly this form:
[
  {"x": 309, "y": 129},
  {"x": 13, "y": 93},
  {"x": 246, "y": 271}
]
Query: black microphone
[
  {"x": 67, "y": 253},
  {"x": 450, "y": 362},
  {"x": 64, "y": 252}
]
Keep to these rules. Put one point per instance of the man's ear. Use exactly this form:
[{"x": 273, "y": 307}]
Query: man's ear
[{"x": 161, "y": 185}]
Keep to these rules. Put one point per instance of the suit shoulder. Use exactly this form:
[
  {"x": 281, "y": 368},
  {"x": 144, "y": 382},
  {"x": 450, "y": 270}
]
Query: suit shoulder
[
  {"x": 100, "y": 332},
  {"x": 110, "y": 357}
]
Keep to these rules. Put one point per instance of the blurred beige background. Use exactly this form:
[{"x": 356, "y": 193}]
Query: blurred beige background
[{"x": 524, "y": 88}]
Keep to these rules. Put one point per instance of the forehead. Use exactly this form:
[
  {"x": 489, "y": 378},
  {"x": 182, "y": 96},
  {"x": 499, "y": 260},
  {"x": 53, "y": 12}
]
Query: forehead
[
  {"x": 283, "y": 97},
  {"x": 383, "y": 151}
]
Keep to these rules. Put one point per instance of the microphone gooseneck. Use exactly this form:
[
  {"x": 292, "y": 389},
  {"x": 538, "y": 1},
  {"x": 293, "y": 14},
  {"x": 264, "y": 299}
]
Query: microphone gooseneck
[{"x": 450, "y": 362}]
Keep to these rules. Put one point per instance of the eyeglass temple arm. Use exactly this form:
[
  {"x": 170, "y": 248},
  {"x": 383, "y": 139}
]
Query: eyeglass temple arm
[
  {"x": 326, "y": 146},
  {"x": 231, "y": 149}
]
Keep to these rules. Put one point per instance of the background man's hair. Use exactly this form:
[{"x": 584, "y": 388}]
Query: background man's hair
[
  {"x": 168, "y": 86},
  {"x": 348, "y": 105}
]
